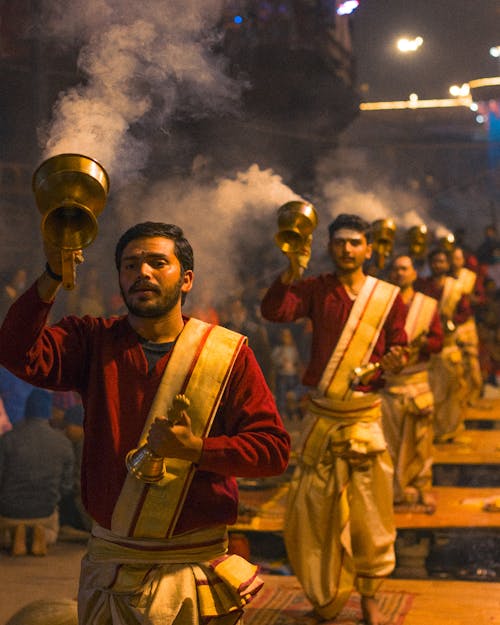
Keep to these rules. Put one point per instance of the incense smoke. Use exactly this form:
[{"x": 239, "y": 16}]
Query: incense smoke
[
  {"x": 143, "y": 63},
  {"x": 230, "y": 221}
]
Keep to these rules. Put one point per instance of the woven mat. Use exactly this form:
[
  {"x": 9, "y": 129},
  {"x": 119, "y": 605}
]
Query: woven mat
[{"x": 289, "y": 606}]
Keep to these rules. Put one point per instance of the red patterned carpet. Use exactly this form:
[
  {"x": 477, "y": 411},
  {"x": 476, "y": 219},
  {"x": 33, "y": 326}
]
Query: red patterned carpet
[{"x": 275, "y": 605}]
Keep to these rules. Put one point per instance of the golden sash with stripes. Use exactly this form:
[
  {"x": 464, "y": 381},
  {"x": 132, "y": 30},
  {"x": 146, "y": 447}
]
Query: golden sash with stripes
[
  {"x": 420, "y": 314},
  {"x": 199, "y": 367},
  {"x": 358, "y": 337},
  {"x": 467, "y": 280},
  {"x": 452, "y": 292}
]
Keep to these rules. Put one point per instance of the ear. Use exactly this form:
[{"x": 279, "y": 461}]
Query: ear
[
  {"x": 369, "y": 250},
  {"x": 188, "y": 279}
]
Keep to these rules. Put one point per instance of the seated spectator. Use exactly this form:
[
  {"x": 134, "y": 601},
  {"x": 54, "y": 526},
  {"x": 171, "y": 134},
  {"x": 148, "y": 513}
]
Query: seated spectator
[
  {"x": 36, "y": 469},
  {"x": 286, "y": 360},
  {"x": 487, "y": 251},
  {"x": 61, "y": 402},
  {"x": 240, "y": 320},
  {"x": 14, "y": 393}
]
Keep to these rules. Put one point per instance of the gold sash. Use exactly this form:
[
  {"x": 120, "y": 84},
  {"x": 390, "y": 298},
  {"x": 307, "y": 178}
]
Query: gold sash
[
  {"x": 358, "y": 337},
  {"x": 418, "y": 320},
  {"x": 452, "y": 292},
  {"x": 199, "y": 367},
  {"x": 467, "y": 280}
]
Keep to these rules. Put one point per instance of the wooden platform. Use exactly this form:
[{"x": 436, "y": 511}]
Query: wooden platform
[
  {"x": 473, "y": 447},
  {"x": 457, "y": 507},
  {"x": 263, "y": 510},
  {"x": 488, "y": 410},
  {"x": 437, "y": 602}
]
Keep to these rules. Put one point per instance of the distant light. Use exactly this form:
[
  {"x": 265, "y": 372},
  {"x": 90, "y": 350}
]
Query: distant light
[
  {"x": 415, "y": 104},
  {"x": 493, "y": 81},
  {"x": 495, "y": 51},
  {"x": 237, "y": 19},
  {"x": 348, "y": 7},
  {"x": 480, "y": 119},
  {"x": 409, "y": 45},
  {"x": 474, "y": 107},
  {"x": 462, "y": 91}
]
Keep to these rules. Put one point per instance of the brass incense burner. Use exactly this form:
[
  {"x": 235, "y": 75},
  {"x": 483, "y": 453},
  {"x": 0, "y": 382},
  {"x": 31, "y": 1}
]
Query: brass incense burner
[
  {"x": 142, "y": 462},
  {"x": 418, "y": 241},
  {"x": 70, "y": 192},
  {"x": 447, "y": 243},
  {"x": 296, "y": 222},
  {"x": 383, "y": 233}
]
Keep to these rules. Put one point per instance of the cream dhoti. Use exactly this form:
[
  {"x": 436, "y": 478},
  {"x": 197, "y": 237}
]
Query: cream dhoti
[{"x": 339, "y": 529}]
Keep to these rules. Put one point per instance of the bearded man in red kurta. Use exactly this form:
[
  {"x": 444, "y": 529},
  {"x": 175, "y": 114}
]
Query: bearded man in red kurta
[
  {"x": 339, "y": 528},
  {"x": 158, "y": 547}
]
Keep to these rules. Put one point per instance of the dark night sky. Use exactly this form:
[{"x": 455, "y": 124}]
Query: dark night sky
[{"x": 457, "y": 37}]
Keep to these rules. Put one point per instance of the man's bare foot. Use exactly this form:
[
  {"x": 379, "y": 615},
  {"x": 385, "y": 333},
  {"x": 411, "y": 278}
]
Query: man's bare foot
[
  {"x": 429, "y": 501},
  {"x": 314, "y": 616},
  {"x": 371, "y": 612}
]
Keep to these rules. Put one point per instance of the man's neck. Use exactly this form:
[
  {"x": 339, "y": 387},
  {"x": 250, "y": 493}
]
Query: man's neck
[
  {"x": 407, "y": 294},
  {"x": 158, "y": 330},
  {"x": 352, "y": 280},
  {"x": 439, "y": 279}
]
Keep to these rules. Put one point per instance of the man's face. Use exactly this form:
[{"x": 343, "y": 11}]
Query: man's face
[
  {"x": 440, "y": 265},
  {"x": 457, "y": 259},
  {"x": 150, "y": 276},
  {"x": 349, "y": 249},
  {"x": 402, "y": 272}
]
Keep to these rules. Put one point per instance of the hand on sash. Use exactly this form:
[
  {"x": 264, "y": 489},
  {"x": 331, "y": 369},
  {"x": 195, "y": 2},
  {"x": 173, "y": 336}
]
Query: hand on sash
[
  {"x": 395, "y": 359},
  {"x": 175, "y": 438}
]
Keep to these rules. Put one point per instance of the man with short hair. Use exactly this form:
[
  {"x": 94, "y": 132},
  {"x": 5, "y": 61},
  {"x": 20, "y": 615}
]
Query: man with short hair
[
  {"x": 467, "y": 337},
  {"x": 407, "y": 400},
  {"x": 446, "y": 369},
  {"x": 191, "y": 397},
  {"x": 339, "y": 527}
]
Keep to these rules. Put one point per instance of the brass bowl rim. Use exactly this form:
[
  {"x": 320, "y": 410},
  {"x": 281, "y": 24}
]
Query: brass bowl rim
[
  {"x": 294, "y": 207},
  {"x": 36, "y": 180}
]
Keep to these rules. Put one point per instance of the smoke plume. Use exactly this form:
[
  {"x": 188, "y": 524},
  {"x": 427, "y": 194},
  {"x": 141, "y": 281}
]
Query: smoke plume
[
  {"x": 142, "y": 64},
  {"x": 351, "y": 181},
  {"x": 230, "y": 221}
]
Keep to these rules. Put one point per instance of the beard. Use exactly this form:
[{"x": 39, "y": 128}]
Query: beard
[{"x": 158, "y": 307}]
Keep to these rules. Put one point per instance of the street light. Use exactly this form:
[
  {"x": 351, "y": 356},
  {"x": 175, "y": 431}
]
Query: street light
[
  {"x": 460, "y": 92},
  {"x": 495, "y": 53},
  {"x": 404, "y": 44}
]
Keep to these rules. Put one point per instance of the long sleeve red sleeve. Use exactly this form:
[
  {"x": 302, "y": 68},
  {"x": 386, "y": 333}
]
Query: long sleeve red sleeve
[{"x": 103, "y": 360}]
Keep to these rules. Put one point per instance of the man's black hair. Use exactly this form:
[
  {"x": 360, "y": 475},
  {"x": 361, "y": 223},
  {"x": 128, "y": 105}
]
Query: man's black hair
[
  {"x": 438, "y": 250},
  {"x": 352, "y": 222},
  {"x": 398, "y": 256},
  {"x": 149, "y": 229}
]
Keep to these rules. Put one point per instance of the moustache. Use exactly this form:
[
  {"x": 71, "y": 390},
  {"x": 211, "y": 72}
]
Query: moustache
[{"x": 143, "y": 286}]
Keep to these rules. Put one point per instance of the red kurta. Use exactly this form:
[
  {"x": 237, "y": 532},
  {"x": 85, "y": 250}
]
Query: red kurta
[
  {"x": 429, "y": 286},
  {"x": 103, "y": 360},
  {"x": 325, "y": 301},
  {"x": 435, "y": 336}
]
